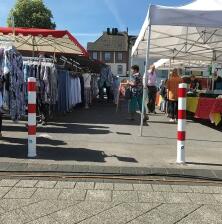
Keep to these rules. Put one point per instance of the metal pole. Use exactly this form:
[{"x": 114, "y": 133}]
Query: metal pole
[
  {"x": 181, "y": 127},
  {"x": 169, "y": 69},
  {"x": 144, "y": 78},
  {"x": 131, "y": 64},
  {"x": 31, "y": 117}
]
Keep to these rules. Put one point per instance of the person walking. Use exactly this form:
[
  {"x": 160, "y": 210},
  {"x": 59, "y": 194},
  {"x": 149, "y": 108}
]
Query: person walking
[
  {"x": 136, "y": 85},
  {"x": 172, "y": 88},
  {"x": 152, "y": 90}
]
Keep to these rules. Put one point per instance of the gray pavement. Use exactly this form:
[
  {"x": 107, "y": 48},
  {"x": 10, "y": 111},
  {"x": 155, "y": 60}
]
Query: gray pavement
[
  {"x": 101, "y": 140},
  {"x": 68, "y": 202}
]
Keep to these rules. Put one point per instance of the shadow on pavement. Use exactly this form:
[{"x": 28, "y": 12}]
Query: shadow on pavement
[
  {"x": 56, "y": 151},
  {"x": 63, "y": 128}
]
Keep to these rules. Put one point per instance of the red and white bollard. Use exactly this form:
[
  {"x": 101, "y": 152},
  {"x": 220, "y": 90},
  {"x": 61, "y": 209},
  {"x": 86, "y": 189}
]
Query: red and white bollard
[
  {"x": 181, "y": 128},
  {"x": 31, "y": 117}
]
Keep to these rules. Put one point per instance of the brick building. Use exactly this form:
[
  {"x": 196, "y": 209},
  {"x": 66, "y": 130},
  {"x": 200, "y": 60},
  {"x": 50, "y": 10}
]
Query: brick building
[{"x": 112, "y": 48}]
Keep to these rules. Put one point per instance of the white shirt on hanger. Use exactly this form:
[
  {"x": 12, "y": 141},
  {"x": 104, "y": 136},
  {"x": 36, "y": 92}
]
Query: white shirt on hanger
[{"x": 87, "y": 80}]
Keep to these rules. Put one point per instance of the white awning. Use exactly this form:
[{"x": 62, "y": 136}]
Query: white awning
[{"x": 191, "y": 32}]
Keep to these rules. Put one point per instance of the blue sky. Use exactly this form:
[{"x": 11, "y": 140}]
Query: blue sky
[{"x": 86, "y": 19}]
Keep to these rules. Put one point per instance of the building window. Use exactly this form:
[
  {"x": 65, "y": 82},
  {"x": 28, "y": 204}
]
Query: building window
[
  {"x": 95, "y": 56},
  {"x": 107, "y": 56},
  {"x": 120, "y": 56},
  {"x": 119, "y": 69}
]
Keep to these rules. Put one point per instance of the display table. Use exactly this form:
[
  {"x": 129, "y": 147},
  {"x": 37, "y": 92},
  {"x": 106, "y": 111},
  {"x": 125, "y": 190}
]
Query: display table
[{"x": 205, "y": 108}]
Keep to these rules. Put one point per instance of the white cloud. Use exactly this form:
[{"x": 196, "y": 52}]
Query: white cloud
[{"x": 113, "y": 9}]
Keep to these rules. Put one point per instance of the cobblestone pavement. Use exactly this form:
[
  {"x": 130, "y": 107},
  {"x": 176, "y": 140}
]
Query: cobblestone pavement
[{"x": 67, "y": 202}]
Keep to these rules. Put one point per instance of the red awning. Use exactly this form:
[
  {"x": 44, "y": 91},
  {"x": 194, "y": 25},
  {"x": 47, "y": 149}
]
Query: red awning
[{"x": 43, "y": 40}]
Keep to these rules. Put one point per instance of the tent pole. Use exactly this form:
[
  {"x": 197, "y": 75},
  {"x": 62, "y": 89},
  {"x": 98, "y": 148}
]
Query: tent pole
[
  {"x": 169, "y": 69},
  {"x": 131, "y": 64},
  {"x": 144, "y": 79}
]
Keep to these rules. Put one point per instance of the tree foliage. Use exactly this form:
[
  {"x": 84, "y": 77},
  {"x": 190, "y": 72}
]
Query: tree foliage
[{"x": 32, "y": 14}]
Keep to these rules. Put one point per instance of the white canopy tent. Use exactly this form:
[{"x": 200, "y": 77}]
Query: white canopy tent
[
  {"x": 190, "y": 32},
  {"x": 165, "y": 64}
]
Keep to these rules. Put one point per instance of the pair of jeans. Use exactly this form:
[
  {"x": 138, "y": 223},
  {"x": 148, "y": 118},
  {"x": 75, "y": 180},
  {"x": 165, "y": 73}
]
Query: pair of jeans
[
  {"x": 134, "y": 103},
  {"x": 173, "y": 109},
  {"x": 152, "y": 90}
]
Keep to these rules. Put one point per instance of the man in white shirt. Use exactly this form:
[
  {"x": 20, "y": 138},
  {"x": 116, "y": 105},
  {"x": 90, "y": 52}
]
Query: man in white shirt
[{"x": 152, "y": 90}]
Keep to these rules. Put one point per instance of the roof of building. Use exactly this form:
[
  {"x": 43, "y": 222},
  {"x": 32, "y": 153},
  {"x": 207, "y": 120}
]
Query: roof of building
[{"x": 110, "y": 42}]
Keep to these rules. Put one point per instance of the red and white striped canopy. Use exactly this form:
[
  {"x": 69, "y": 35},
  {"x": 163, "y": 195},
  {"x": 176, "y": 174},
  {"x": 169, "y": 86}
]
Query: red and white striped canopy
[{"x": 43, "y": 40}]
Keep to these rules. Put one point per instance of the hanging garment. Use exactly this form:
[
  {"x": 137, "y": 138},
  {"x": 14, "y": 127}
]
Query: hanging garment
[{"x": 11, "y": 72}]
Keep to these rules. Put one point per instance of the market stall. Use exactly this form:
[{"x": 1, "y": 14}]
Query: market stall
[
  {"x": 206, "y": 108},
  {"x": 189, "y": 32}
]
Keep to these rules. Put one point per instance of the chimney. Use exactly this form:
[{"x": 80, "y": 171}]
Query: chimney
[
  {"x": 113, "y": 31},
  {"x": 108, "y": 31}
]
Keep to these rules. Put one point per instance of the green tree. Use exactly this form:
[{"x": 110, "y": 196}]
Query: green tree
[{"x": 32, "y": 14}]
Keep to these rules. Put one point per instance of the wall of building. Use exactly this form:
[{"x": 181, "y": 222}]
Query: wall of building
[{"x": 114, "y": 68}]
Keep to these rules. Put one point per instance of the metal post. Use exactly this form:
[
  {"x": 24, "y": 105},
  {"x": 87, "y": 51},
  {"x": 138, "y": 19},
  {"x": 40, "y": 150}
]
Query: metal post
[
  {"x": 181, "y": 132},
  {"x": 31, "y": 117},
  {"x": 144, "y": 78}
]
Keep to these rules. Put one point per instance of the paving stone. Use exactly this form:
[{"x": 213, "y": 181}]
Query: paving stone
[
  {"x": 142, "y": 187},
  {"x": 125, "y": 196},
  {"x": 15, "y": 217},
  {"x": 4, "y": 191},
  {"x": 72, "y": 194},
  {"x": 65, "y": 184},
  {"x": 62, "y": 204},
  {"x": 81, "y": 169},
  {"x": 20, "y": 193},
  {"x": 177, "y": 210},
  {"x": 8, "y": 182},
  {"x": 70, "y": 215},
  {"x": 122, "y": 213},
  {"x": 12, "y": 204},
  {"x": 64, "y": 168},
  {"x": 197, "y": 198},
  {"x": 215, "y": 189},
  {"x": 163, "y": 188},
  {"x": 4, "y": 166},
  {"x": 26, "y": 183},
  {"x": 104, "y": 186},
  {"x": 182, "y": 188},
  {"x": 46, "y": 184},
  {"x": 44, "y": 220},
  {"x": 95, "y": 207},
  {"x": 204, "y": 215},
  {"x": 17, "y": 167},
  {"x": 201, "y": 189},
  {"x": 39, "y": 209},
  {"x": 176, "y": 197},
  {"x": 123, "y": 187},
  {"x": 85, "y": 185},
  {"x": 156, "y": 197},
  {"x": 154, "y": 217},
  {"x": 2, "y": 211},
  {"x": 218, "y": 198},
  {"x": 43, "y": 193},
  {"x": 99, "y": 195}
]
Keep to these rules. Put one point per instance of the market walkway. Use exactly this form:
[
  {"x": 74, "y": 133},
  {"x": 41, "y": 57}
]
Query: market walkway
[
  {"x": 100, "y": 136},
  {"x": 44, "y": 202}
]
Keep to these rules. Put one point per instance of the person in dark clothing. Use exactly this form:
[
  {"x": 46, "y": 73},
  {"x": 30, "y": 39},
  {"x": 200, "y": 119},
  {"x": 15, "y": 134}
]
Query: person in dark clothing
[{"x": 195, "y": 84}]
